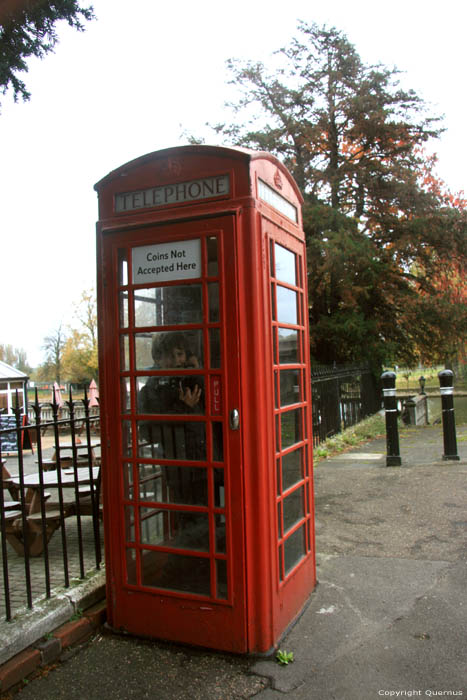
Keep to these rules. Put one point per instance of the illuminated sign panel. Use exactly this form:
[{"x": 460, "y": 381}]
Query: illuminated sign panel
[{"x": 276, "y": 200}]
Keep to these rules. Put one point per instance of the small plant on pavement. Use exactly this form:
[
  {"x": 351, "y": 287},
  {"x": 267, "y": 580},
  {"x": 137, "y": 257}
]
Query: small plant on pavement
[
  {"x": 284, "y": 657},
  {"x": 77, "y": 615}
]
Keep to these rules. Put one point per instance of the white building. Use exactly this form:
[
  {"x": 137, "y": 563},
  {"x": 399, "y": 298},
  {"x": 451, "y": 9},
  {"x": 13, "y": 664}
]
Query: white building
[{"x": 12, "y": 381}]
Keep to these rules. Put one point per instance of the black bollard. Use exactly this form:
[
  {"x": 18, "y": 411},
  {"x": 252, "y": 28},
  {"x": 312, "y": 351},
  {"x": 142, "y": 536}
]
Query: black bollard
[
  {"x": 446, "y": 387},
  {"x": 393, "y": 458}
]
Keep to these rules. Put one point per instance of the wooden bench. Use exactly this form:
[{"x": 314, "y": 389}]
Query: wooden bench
[
  {"x": 47, "y": 464},
  {"x": 85, "y": 505},
  {"x": 35, "y": 534},
  {"x": 8, "y": 484},
  {"x": 11, "y": 505},
  {"x": 65, "y": 463}
]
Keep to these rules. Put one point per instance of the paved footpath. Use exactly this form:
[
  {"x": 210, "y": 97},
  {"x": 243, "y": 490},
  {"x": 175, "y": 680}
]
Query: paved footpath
[{"x": 388, "y": 618}]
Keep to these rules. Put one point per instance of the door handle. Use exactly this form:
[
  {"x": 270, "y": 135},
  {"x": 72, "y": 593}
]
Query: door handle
[{"x": 234, "y": 419}]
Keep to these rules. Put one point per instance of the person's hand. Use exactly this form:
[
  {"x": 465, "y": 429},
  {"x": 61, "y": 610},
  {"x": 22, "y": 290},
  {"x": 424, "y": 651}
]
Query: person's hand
[
  {"x": 190, "y": 397},
  {"x": 192, "y": 362}
]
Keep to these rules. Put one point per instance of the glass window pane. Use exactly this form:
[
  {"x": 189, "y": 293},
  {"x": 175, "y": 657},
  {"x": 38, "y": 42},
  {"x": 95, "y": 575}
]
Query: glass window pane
[
  {"x": 288, "y": 346},
  {"x": 220, "y": 533},
  {"x": 176, "y": 572},
  {"x": 153, "y": 525},
  {"x": 285, "y": 265},
  {"x": 273, "y": 301},
  {"x": 123, "y": 307},
  {"x": 290, "y": 387},
  {"x": 128, "y": 490},
  {"x": 291, "y": 427},
  {"x": 294, "y": 549},
  {"x": 122, "y": 267},
  {"x": 129, "y": 524},
  {"x": 215, "y": 348},
  {"x": 174, "y": 528},
  {"x": 217, "y": 442},
  {"x": 172, "y": 484},
  {"x": 213, "y": 270},
  {"x": 171, "y": 394},
  {"x": 279, "y": 521},
  {"x": 213, "y": 294},
  {"x": 124, "y": 353},
  {"x": 125, "y": 386},
  {"x": 293, "y": 506},
  {"x": 143, "y": 346},
  {"x": 185, "y": 440},
  {"x": 219, "y": 490},
  {"x": 286, "y": 305},
  {"x": 148, "y": 307},
  {"x": 292, "y": 470},
  {"x": 169, "y": 350},
  {"x": 149, "y": 477},
  {"x": 168, "y": 306},
  {"x": 221, "y": 579},
  {"x": 131, "y": 566},
  {"x": 126, "y": 439}
]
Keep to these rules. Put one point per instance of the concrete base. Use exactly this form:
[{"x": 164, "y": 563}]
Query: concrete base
[{"x": 28, "y": 626}]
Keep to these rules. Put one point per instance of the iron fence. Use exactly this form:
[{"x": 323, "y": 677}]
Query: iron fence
[
  {"x": 50, "y": 505},
  {"x": 50, "y": 484},
  {"x": 341, "y": 397}
]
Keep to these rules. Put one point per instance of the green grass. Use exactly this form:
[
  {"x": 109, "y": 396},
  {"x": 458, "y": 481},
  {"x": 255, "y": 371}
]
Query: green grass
[
  {"x": 407, "y": 379},
  {"x": 368, "y": 429}
]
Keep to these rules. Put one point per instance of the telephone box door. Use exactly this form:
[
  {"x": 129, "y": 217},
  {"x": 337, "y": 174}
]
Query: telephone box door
[{"x": 174, "y": 523}]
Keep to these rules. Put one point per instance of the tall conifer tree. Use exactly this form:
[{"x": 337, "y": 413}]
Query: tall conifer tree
[
  {"x": 28, "y": 28},
  {"x": 378, "y": 234}
]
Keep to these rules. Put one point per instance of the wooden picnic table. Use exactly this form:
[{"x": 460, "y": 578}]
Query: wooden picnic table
[
  {"x": 7, "y": 481},
  {"x": 82, "y": 451},
  {"x": 70, "y": 478}
]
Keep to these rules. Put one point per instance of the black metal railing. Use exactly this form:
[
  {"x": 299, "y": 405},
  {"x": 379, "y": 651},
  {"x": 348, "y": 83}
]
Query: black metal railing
[
  {"x": 50, "y": 484},
  {"x": 341, "y": 397}
]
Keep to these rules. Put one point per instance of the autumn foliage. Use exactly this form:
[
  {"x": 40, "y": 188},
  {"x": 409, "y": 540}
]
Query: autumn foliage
[{"x": 386, "y": 239}]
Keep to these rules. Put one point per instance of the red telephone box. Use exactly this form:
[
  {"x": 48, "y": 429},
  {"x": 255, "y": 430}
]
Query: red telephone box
[{"x": 205, "y": 398}]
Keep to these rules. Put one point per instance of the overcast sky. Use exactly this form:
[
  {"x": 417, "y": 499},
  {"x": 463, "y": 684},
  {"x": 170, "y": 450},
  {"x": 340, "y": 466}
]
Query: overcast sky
[{"x": 133, "y": 81}]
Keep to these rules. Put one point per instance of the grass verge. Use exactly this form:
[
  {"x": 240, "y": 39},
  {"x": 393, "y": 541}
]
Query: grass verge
[{"x": 367, "y": 429}]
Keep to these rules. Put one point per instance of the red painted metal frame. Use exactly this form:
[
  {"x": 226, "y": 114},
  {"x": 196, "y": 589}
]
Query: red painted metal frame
[
  {"x": 263, "y": 605},
  {"x": 137, "y": 608}
]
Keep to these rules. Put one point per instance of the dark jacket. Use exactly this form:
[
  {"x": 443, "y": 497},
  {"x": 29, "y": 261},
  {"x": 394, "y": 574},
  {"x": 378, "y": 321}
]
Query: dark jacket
[{"x": 174, "y": 440}]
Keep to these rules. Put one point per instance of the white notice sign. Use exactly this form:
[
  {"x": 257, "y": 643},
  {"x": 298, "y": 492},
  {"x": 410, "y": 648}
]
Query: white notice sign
[{"x": 162, "y": 262}]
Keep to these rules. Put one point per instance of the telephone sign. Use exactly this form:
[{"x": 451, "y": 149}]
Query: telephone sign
[{"x": 173, "y": 194}]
